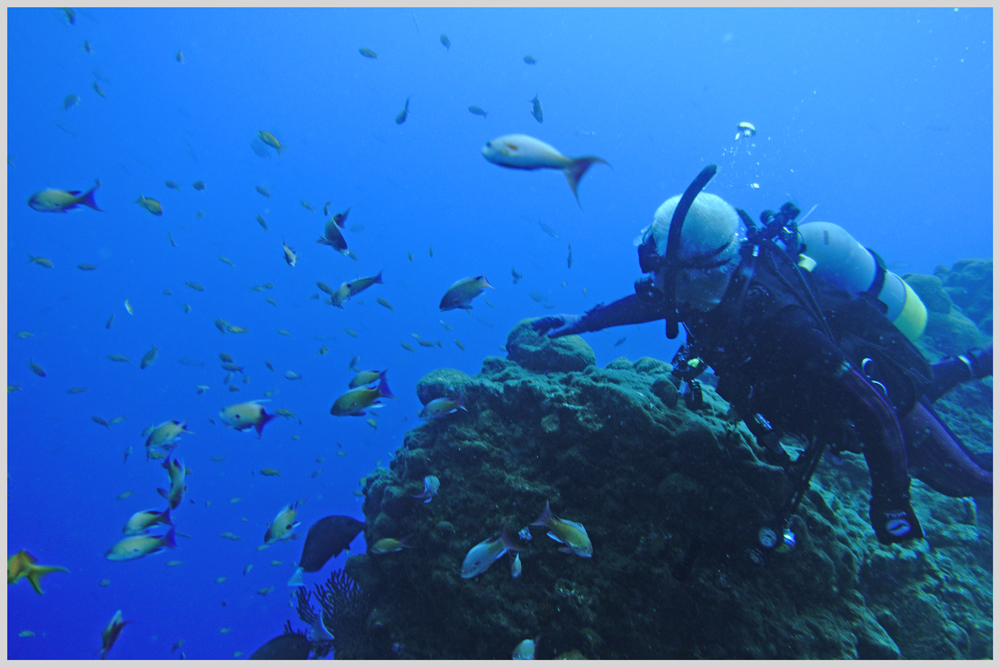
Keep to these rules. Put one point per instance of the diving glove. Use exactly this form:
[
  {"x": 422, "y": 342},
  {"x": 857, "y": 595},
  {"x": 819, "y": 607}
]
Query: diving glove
[
  {"x": 894, "y": 520},
  {"x": 557, "y": 325}
]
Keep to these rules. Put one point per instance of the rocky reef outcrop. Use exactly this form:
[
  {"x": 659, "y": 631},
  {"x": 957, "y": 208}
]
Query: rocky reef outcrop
[{"x": 614, "y": 450}]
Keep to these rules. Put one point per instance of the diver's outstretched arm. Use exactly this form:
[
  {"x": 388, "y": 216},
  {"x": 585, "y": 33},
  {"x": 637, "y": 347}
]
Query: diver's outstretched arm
[
  {"x": 938, "y": 459},
  {"x": 950, "y": 372},
  {"x": 633, "y": 309}
]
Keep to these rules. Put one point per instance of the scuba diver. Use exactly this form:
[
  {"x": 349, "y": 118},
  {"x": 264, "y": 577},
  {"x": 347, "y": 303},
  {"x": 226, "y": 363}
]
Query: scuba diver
[{"x": 809, "y": 334}]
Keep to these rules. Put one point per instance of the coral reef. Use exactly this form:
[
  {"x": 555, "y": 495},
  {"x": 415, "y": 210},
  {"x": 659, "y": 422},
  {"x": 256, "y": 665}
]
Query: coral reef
[
  {"x": 345, "y": 610},
  {"x": 969, "y": 284},
  {"x": 614, "y": 450}
]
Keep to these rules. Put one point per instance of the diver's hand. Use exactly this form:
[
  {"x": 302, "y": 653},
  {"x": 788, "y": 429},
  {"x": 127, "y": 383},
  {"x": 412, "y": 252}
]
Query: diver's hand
[{"x": 557, "y": 325}]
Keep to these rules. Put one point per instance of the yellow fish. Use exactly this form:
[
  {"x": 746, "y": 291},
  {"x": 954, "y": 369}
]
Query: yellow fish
[
  {"x": 290, "y": 257},
  {"x": 119, "y": 358},
  {"x": 462, "y": 292},
  {"x": 171, "y": 184},
  {"x": 114, "y": 627},
  {"x": 128, "y": 308},
  {"x": 388, "y": 545},
  {"x": 306, "y": 205},
  {"x": 195, "y": 286},
  {"x": 35, "y": 368},
  {"x": 361, "y": 284},
  {"x": 272, "y": 141},
  {"x": 226, "y": 260},
  {"x": 149, "y": 357},
  {"x": 356, "y": 400},
  {"x": 270, "y": 472},
  {"x": 138, "y": 546},
  {"x": 367, "y": 377},
  {"x": 164, "y": 435},
  {"x": 261, "y": 221},
  {"x": 368, "y": 53},
  {"x": 60, "y": 201},
  {"x": 177, "y": 472},
  {"x": 86, "y": 267},
  {"x": 142, "y": 521},
  {"x": 570, "y": 533},
  {"x": 23, "y": 565},
  {"x": 283, "y": 523},
  {"x": 150, "y": 204},
  {"x": 243, "y": 416},
  {"x": 262, "y": 190},
  {"x": 382, "y": 302},
  {"x": 40, "y": 261}
]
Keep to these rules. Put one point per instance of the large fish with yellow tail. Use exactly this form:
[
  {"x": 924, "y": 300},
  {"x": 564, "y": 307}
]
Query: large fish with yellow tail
[{"x": 519, "y": 151}]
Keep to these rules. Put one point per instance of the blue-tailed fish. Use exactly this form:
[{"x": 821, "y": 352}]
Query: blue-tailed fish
[
  {"x": 481, "y": 556},
  {"x": 519, "y": 151},
  {"x": 462, "y": 292},
  {"x": 361, "y": 284},
  {"x": 355, "y": 401},
  {"x": 440, "y": 407},
  {"x": 109, "y": 635},
  {"x": 60, "y": 201},
  {"x": 569, "y": 533},
  {"x": 142, "y": 521},
  {"x": 177, "y": 473},
  {"x": 138, "y": 546},
  {"x": 536, "y": 108},
  {"x": 332, "y": 236},
  {"x": 402, "y": 115},
  {"x": 243, "y": 416},
  {"x": 367, "y": 377},
  {"x": 164, "y": 435},
  {"x": 431, "y": 486}
]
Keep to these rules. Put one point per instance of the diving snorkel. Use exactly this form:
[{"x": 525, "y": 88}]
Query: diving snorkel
[{"x": 674, "y": 243}]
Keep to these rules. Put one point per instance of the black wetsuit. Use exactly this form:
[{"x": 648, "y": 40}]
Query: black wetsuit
[{"x": 845, "y": 374}]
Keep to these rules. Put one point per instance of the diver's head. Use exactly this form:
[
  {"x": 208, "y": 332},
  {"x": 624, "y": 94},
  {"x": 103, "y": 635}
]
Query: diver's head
[{"x": 708, "y": 253}]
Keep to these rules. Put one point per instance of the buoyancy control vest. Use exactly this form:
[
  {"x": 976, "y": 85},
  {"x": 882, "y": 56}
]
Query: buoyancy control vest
[{"x": 772, "y": 353}]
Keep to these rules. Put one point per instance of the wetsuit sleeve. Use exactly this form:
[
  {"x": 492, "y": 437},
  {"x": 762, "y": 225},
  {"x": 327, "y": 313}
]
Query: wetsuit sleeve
[
  {"x": 633, "y": 309},
  {"x": 950, "y": 372}
]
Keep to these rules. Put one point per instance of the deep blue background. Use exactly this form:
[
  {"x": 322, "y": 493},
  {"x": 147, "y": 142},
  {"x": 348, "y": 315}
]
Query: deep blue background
[{"x": 881, "y": 117}]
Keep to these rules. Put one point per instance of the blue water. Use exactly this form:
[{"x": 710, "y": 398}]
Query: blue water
[{"x": 882, "y": 118}]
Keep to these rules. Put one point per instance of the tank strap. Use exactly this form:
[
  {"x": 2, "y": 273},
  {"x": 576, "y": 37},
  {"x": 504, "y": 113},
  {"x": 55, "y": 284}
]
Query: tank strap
[{"x": 880, "y": 271}]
